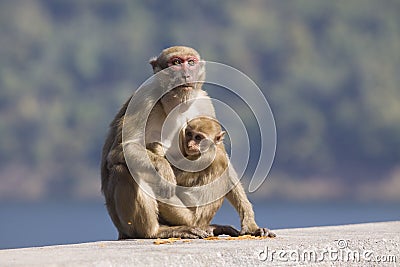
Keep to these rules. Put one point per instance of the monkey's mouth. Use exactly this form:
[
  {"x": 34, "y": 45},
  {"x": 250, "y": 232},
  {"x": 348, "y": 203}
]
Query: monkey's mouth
[
  {"x": 203, "y": 147},
  {"x": 183, "y": 89},
  {"x": 183, "y": 92},
  {"x": 186, "y": 87},
  {"x": 193, "y": 151}
]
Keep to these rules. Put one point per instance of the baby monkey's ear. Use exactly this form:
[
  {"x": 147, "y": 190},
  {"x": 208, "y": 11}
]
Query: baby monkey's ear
[{"x": 219, "y": 138}]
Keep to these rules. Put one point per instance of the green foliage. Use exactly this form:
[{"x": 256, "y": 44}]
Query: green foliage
[{"x": 330, "y": 70}]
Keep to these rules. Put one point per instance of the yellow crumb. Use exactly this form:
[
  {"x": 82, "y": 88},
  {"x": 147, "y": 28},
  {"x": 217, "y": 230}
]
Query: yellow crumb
[
  {"x": 243, "y": 237},
  {"x": 212, "y": 238},
  {"x": 174, "y": 238},
  {"x": 159, "y": 241},
  {"x": 171, "y": 240}
]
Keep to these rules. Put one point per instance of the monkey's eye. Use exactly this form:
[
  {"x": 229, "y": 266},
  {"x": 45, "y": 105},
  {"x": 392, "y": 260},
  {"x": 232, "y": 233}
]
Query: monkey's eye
[
  {"x": 176, "y": 61},
  {"x": 189, "y": 134},
  {"x": 191, "y": 62},
  {"x": 198, "y": 137}
]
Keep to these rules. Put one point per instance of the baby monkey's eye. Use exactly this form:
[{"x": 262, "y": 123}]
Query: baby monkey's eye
[
  {"x": 198, "y": 138},
  {"x": 189, "y": 134},
  {"x": 191, "y": 62}
]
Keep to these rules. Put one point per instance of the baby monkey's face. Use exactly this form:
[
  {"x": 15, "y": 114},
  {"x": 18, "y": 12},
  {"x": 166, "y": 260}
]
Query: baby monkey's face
[
  {"x": 200, "y": 136},
  {"x": 196, "y": 142}
]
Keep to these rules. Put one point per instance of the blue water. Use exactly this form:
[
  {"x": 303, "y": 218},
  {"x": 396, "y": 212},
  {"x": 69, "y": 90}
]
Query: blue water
[{"x": 40, "y": 224}]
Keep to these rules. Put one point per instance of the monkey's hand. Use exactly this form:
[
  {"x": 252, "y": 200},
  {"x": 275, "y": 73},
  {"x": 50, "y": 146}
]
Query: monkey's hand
[
  {"x": 256, "y": 231},
  {"x": 156, "y": 148},
  {"x": 166, "y": 187}
]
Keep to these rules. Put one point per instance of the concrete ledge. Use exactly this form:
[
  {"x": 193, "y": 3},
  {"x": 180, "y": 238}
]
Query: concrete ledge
[{"x": 368, "y": 244}]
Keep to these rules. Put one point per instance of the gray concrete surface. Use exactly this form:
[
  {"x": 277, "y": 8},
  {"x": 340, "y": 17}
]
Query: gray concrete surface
[{"x": 371, "y": 244}]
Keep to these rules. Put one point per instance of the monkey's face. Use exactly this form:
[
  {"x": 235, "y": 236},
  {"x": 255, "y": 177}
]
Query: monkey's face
[
  {"x": 201, "y": 135},
  {"x": 186, "y": 71},
  {"x": 183, "y": 68},
  {"x": 196, "y": 143}
]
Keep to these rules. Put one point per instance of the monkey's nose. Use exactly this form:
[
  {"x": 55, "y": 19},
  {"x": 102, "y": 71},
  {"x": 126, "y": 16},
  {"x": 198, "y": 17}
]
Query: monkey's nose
[{"x": 186, "y": 75}]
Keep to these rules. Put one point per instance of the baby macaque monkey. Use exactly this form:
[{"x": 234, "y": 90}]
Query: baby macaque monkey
[{"x": 201, "y": 140}]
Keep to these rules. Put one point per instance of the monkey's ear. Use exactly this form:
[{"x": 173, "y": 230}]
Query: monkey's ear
[
  {"x": 220, "y": 137},
  {"x": 154, "y": 64}
]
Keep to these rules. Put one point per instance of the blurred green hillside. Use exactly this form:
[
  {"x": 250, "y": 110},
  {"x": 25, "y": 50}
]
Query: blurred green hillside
[{"x": 329, "y": 69}]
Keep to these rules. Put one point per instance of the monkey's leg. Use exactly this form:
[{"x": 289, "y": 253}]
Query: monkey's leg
[
  {"x": 137, "y": 211},
  {"x": 174, "y": 215},
  {"x": 237, "y": 197},
  {"x": 182, "y": 232}
]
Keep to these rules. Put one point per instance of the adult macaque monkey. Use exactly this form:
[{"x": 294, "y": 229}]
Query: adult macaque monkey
[{"x": 134, "y": 211}]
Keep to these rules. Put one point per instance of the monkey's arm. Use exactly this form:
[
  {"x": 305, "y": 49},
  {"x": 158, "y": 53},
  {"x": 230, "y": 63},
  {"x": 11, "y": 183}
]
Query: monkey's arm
[
  {"x": 156, "y": 148},
  {"x": 237, "y": 197},
  {"x": 152, "y": 168}
]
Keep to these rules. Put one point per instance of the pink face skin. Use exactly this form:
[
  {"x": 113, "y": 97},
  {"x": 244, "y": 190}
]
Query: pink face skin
[
  {"x": 183, "y": 62},
  {"x": 193, "y": 143},
  {"x": 188, "y": 67}
]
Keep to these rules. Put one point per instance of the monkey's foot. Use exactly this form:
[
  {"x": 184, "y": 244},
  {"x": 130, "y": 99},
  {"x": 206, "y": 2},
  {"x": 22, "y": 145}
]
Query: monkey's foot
[
  {"x": 182, "y": 232},
  {"x": 264, "y": 232},
  {"x": 258, "y": 232},
  {"x": 217, "y": 230}
]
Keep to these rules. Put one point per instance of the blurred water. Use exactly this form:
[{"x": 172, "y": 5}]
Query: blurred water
[{"x": 50, "y": 223}]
